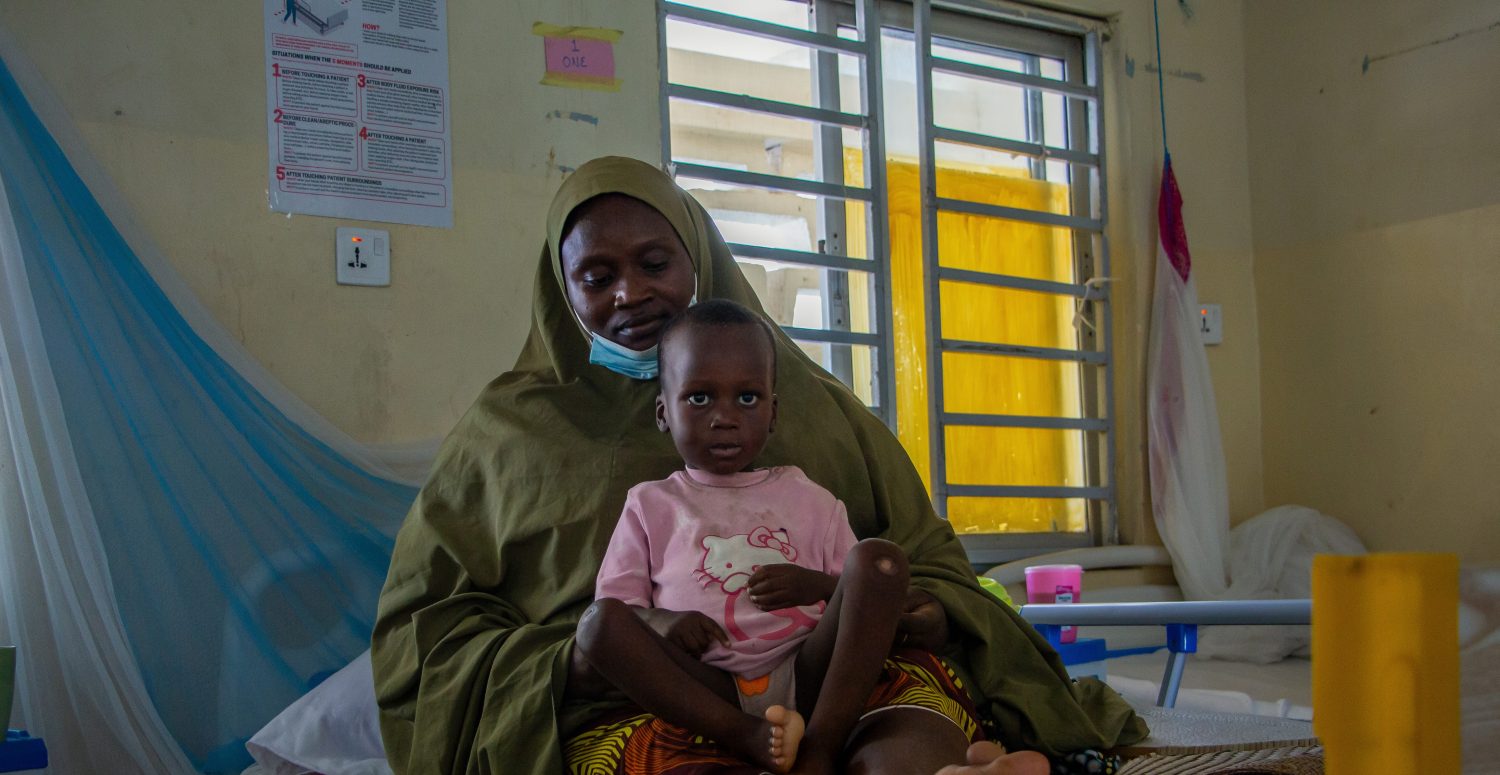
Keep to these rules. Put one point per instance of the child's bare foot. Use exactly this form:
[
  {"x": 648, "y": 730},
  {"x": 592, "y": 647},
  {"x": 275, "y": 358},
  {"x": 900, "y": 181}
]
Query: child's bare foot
[{"x": 787, "y": 728}]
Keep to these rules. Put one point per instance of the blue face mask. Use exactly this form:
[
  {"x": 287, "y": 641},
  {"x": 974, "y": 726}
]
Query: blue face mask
[{"x": 635, "y": 364}]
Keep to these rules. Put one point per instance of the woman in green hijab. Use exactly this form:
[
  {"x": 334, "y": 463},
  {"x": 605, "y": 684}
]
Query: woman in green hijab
[{"x": 473, "y": 645}]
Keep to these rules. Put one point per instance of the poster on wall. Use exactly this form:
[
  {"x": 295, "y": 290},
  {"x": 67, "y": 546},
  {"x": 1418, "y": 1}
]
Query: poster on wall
[{"x": 357, "y": 105}]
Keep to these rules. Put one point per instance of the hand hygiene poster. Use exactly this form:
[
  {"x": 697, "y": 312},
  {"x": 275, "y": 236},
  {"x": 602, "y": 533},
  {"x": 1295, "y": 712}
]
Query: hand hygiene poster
[{"x": 357, "y": 109}]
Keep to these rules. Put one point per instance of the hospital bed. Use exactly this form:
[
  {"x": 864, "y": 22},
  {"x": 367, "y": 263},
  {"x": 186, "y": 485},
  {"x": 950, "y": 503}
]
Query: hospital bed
[
  {"x": 1214, "y": 725},
  {"x": 1275, "y": 693},
  {"x": 334, "y": 730},
  {"x": 1143, "y": 602},
  {"x": 321, "y": 15},
  {"x": 1180, "y": 620}
]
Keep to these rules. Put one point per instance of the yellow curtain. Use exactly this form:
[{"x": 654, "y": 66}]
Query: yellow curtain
[{"x": 980, "y": 383}]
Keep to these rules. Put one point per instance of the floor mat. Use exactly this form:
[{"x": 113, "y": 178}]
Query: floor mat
[{"x": 1293, "y": 760}]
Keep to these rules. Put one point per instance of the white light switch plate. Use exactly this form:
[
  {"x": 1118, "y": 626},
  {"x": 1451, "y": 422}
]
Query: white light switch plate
[
  {"x": 362, "y": 256},
  {"x": 1211, "y": 323}
]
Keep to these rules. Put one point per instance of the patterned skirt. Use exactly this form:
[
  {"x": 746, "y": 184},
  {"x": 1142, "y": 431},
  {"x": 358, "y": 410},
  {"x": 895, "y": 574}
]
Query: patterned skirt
[{"x": 636, "y": 743}]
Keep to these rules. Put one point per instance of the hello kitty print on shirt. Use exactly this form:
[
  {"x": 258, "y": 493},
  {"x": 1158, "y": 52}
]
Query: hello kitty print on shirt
[
  {"x": 731, "y": 562},
  {"x": 691, "y": 542}
]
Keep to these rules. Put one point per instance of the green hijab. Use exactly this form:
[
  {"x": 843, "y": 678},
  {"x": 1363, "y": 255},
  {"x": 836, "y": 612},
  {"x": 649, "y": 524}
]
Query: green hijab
[{"x": 497, "y": 558}]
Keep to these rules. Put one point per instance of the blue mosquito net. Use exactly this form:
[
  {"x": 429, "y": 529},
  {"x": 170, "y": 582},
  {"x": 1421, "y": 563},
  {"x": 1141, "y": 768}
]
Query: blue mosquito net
[{"x": 246, "y": 554}]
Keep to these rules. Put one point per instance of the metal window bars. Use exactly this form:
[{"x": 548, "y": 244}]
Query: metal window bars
[
  {"x": 1081, "y": 92},
  {"x": 826, "y": 46}
]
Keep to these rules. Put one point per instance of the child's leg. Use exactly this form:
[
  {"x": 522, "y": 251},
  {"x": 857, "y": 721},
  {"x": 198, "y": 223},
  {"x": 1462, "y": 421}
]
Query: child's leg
[
  {"x": 679, "y": 688},
  {"x": 839, "y": 663}
]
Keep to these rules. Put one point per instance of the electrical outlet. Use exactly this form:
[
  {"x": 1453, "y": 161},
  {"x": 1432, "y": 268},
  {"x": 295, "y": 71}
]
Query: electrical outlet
[
  {"x": 362, "y": 256},
  {"x": 1211, "y": 323}
]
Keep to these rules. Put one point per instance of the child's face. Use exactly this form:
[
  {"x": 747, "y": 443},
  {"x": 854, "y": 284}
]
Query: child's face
[{"x": 716, "y": 397}]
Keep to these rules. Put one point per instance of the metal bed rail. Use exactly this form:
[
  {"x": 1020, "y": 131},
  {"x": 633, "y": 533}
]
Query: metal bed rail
[{"x": 1181, "y": 618}]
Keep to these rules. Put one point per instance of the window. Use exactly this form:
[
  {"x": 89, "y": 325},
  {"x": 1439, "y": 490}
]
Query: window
[{"x": 988, "y": 207}]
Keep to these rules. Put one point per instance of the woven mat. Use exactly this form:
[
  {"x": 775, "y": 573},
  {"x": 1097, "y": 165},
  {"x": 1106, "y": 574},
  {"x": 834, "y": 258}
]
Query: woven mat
[
  {"x": 1176, "y": 731},
  {"x": 1293, "y": 760}
]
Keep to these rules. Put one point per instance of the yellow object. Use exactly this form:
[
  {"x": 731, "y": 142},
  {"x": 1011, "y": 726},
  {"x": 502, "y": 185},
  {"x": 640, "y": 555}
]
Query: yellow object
[
  {"x": 998, "y": 590},
  {"x": 1385, "y": 663},
  {"x": 591, "y": 33},
  {"x": 979, "y": 383},
  {"x": 581, "y": 82}
]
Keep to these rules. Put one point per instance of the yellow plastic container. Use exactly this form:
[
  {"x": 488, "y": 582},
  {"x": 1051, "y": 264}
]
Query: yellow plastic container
[{"x": 1385, "y": 663}]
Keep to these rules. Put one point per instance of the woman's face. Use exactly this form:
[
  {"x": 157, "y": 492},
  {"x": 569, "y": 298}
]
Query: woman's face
[{"x": 626, "y": 270}]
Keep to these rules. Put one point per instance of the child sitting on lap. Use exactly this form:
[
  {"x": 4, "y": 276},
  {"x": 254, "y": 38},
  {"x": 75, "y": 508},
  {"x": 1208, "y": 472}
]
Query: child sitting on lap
[{"x": 735, "y": 601}]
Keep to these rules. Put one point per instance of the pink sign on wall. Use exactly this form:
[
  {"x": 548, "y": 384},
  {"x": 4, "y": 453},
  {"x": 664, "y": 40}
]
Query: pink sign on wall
[{"x": 579, "y": 57}]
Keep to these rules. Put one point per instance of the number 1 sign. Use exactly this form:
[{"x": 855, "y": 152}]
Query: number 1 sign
[{"x": 579, "y": 57}]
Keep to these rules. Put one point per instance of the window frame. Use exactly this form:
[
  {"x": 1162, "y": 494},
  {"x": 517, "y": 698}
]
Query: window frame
[
  {"x": 1012, "y": 28},
  {"x": 832, "y": 258}
]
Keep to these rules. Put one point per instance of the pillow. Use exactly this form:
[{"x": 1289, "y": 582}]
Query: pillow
[{"x": 333, "y": 729}]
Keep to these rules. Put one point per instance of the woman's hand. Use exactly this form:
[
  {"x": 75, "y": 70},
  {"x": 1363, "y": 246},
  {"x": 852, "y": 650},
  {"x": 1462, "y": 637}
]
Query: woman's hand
[
  {"x": 773, "y": 587},
  {"x": 690, "y": 631},
  {"x": 923, "y": 623}
]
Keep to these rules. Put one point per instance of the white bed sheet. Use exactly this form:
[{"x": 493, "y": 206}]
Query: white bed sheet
[{"x": 333, "y": 729}]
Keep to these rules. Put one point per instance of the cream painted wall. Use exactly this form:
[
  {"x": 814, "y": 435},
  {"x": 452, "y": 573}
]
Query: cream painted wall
[
  {"x": 170, "y": 96},
  {"x": 1377, "y": 214},
  {"x": 1359, "y": 313},
  {"x": 1205, "y": 95},
  {"x": 173, "y": 109}
]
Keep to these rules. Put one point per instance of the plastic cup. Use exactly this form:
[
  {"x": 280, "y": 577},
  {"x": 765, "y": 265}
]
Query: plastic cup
[
  {"x": 1056, "y": 584},
  {"x": 1387, "y": 698}
]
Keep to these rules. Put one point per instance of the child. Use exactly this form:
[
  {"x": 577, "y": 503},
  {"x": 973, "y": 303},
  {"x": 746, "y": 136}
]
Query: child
[{"x": 732, "y": 598}]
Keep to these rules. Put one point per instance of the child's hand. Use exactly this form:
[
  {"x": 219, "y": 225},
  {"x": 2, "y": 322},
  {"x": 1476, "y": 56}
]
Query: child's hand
[
  {"x": 773, "y": 587},
  {"x": 692, "y": 632},
  {"x": 923, "y": 623}
]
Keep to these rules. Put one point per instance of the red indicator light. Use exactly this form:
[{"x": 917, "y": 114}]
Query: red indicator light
[{"x": 357, "y": 239}]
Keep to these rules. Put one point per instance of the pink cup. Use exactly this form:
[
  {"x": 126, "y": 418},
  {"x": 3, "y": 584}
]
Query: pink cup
[{"x": 1055, "y": 584}]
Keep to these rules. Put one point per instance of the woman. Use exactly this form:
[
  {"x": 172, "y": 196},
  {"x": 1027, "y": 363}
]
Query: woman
[{"x": 473, "y": 648}]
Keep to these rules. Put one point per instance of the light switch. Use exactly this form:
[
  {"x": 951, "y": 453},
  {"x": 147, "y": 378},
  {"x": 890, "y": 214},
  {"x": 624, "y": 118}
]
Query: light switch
[
  {"x": 362, "y": 256},
  {"x": 1211, "y": 323}
]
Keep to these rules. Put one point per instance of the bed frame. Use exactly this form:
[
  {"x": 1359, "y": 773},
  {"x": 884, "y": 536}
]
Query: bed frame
[{"x": 1180, "y": 618}]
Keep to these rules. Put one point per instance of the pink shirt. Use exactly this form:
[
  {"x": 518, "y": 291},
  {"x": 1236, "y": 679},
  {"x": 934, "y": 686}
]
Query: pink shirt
[{"x": 690, "y": 542}]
